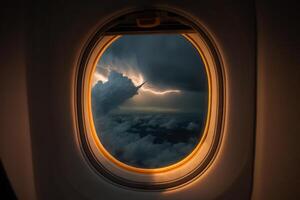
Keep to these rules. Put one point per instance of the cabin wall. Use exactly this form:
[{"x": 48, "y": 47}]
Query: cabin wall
[
  {"x": 277, "y": 156},
  {"x": 59, "y": 31},
  {"x": 40, "y": 46},
  {"x": 15, "y": 136}
]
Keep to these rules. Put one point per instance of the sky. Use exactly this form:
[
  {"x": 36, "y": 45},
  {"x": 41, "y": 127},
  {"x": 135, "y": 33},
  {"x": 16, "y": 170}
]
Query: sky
[
  {"x": 149, "y": 99},
  {"x": 172, "y": 68}
]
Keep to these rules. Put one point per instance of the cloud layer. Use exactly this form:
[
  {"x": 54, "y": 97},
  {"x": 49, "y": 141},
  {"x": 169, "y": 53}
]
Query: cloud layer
[{"x": 147, "y": 140}]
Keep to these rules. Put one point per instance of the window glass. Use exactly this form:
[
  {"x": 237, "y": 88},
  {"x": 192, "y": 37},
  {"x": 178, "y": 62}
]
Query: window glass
[{"x": 150, "y": 99}]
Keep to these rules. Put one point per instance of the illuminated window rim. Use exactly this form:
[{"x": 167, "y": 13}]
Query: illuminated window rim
[
  {"x": 103, "y": 150},
  {"x": 134, "y": 177}
]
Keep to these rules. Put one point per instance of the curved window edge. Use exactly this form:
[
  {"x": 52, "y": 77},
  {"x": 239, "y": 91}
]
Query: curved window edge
[{"x": 148, "y": 179}]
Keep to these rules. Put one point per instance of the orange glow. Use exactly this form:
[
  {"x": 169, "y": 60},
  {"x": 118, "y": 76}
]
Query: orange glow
[{"x": 98, "y": 77}]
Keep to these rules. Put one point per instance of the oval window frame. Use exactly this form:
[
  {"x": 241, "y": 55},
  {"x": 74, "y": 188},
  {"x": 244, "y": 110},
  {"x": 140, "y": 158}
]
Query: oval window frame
[{"x": 162, "y": 178}]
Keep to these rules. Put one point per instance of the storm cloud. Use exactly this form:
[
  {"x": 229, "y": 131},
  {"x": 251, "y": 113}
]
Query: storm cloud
[
  {"x": 166, "y": 61},
  {"x": 109, "y": 95}
]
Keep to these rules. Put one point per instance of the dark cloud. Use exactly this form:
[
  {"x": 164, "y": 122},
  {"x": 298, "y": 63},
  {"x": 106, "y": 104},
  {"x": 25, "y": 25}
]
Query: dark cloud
[
  {"x": 109, "y": 95},
  {"x": 166, "y": 61}
]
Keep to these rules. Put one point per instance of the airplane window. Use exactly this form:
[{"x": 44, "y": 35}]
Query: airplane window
[{"x": 149, "y": 99}]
